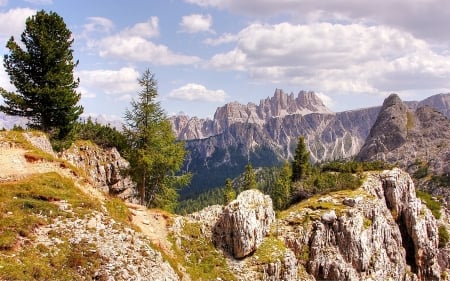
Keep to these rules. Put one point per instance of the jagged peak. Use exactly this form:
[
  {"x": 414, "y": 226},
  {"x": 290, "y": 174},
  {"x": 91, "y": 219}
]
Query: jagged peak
[{"x": 391, "y": 100}]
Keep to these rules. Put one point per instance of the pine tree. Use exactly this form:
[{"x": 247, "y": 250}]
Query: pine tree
[
  {"x": 249, "y": 178},
  {"x": 300, "y": 165},
  {"x": 43, "y": 76},
  {"x": 282, "y": 189},
  {"x": 229, "y": 193},
  {"x": 155, "y": 155}
]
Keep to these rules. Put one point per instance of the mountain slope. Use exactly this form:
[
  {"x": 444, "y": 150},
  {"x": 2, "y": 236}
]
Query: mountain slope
[
  {"x": 409, "y": 137},
  {"x": 55, "y": 225},
  {"x": 266, "y": 134}
]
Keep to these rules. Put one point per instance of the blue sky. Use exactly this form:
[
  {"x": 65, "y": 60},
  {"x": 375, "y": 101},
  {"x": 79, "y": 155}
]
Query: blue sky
[{"x": 205, "y": 53}]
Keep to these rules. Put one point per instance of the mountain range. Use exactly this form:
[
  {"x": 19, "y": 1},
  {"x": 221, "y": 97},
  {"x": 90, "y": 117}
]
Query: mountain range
[{"x": 267, "y": 134}]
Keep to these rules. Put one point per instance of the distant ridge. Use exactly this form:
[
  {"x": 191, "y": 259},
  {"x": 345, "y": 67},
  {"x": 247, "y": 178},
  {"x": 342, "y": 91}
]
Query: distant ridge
[{"x": 279, "y": 105}]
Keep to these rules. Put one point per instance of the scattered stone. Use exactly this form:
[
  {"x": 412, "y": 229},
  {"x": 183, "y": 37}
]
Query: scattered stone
[
  {"x": 349, "y": 202},
  {"x": 329, "y": 217}
]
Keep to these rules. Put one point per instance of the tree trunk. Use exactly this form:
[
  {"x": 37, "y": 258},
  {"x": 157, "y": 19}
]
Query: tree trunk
[{"x": 142, "y": 189}]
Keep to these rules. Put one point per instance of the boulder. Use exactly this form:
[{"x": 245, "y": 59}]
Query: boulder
[{"x": 244, "y": 223}]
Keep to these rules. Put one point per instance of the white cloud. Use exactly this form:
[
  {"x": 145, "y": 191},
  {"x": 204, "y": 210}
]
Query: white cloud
[
  {"x": 3, "y": 2},
  {"x": 12, "y": 22},
  {"x": 132, "y": 44},
  {"x": 196, "y": 23},
  {"x": 118, "y": 83},
  {"x": 196, "y": 92},
  {"x": 423, "y": 18},
  {"x": 335, "y": 57},
  {"x": 139, "y": 49},
  {"x": 98, "y": 24},
  {"x": 224, "y": 39},
  {"x": 146, "y": 29},
  {"x": 85, "y": 93},
  {"x": 327, "y": 100}
]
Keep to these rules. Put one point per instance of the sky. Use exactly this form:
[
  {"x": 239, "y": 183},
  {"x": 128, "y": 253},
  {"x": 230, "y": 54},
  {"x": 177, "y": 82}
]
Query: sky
[{"x": 205, "y": 53}]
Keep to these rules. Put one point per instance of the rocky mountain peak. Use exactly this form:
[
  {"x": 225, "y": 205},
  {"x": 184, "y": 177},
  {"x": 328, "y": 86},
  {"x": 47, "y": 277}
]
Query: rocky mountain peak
[
  {"x": 279, "y": 105},
  {"x": 389, "y": 130},
  {"x": 407, "y": 137}
]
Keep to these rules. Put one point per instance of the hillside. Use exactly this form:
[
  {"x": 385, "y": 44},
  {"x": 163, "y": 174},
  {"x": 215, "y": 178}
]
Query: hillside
[
  {"x": 59, "y": 222},
  {"x": 56, "y": 225}
]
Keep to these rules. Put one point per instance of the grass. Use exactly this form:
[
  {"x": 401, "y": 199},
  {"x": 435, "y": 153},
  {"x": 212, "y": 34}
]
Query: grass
[
  {"x": 118, "y": 210},
  {"x": 270, "y": 250},
  {"x": 32, "y": 202},
  {"x": 444, "y": 237},
  {"x": 317, "y": 203},
  {"x": 199, "y": 257},
  {"x": 432, "y": 204}
]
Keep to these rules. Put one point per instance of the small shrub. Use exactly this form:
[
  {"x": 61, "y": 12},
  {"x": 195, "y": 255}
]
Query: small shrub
[
  {"x": 444, "y": 236},
  {"x": 432, "y": 204}
]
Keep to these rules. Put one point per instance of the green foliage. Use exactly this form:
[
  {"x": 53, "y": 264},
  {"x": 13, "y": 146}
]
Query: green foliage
[
  {"x": 324, "y": 182},
  {"x": 300, "y": 165},
  {"x": 118, "y": 210},
  {"x": 444, "y": 237},
  {"x": 104, "y": 136},
  {"x": 249, "y": 181},
  {"x": 281, "y": 191},
  {"x": 431, "y": 203},
  {"x": 229, "y": 193},
  {"x": 43, "y": 76},
  {"x": 354, "y": 166},
  {"x": 199, "y": 256},
  {"x": 421, "y": 172},
  {"x": 29, "y": 203},
  {"x": 270, "y": 250},
  {"x": 155, "y": 155},
  {"x": 214, "y": 196}
]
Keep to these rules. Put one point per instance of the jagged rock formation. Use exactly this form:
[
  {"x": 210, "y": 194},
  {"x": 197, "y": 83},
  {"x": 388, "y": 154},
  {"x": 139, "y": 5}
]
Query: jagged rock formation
[
  {"x": 387, "y": 235},
  {"x": 244, "y": 223},
  {"x": 409, "y": 138},
  {"x": 380, "y": 231},
  {"x": 266, "y": 134},
  {"x": 103, "y": 166},
  {"x": 440, "y": 102},
  {"x": 278, "y": 106}
]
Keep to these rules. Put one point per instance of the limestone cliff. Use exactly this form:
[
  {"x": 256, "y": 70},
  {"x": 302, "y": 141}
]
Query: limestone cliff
[
  {"x": 409, "y": 138},
  {"x": 380, "y": 231},
  {"x": 104, "y": 168}
]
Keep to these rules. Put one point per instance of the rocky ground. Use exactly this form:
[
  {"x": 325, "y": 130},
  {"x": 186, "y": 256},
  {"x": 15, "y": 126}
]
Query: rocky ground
[{"x": 380, "y": 231}]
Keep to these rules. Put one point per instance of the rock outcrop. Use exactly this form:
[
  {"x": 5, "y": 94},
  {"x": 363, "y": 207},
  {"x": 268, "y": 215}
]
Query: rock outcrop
[
  {"x": 388, "y": 234},
  {"x": 380, "y": 231},
  {"x": 244, "y": 223},
  {"x": 409, "y": 138},
  {"x": 103, "y": 166}
]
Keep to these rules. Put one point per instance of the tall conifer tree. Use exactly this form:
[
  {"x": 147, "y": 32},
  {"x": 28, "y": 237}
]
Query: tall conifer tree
[
  {"x": 300, "y": 165},
  {"x": 155, "y": 155},
  {"x": 42, "y": 74}
]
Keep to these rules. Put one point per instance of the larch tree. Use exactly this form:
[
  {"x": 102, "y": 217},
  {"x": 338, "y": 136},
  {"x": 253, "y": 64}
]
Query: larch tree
[
  {"x": 42, "y": 74},
  {"x": 229, "y": 193},
  {"x": 282, "y": 189},
  {"x": 300, "y": 165},
  {"x": 155, "y": 155},
  {"x": 249, "y": 178}
]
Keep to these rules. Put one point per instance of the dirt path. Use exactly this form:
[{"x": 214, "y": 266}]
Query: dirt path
[
  {"x": 153, "y": 223},
  {"x": 14, "y": 166}
]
